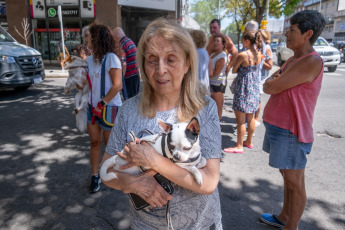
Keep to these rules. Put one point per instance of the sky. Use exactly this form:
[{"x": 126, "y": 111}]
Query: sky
[{"x": 227, "y": 21}]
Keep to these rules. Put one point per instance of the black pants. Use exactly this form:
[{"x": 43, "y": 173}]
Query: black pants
[{"x": 132, "y": 85}]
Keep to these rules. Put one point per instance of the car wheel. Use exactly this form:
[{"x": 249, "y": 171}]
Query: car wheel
[
  {"x": 22, "y": 88},
  {"x": 280, "y": 62},
  {"x": 332, "y": 68}
]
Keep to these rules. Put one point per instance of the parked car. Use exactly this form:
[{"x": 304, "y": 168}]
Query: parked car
[
  {"x": 20, "y": 65},
  {"x": 330, "y": 55},
  {"x": 274, "y": 46}
]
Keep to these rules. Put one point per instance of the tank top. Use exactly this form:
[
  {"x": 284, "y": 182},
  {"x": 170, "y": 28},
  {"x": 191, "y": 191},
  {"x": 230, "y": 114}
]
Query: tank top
[{"x": 293, "y": 109}]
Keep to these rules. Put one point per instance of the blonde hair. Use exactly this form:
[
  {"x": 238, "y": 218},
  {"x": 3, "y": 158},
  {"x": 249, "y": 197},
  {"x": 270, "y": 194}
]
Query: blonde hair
[
  {"x": 191, "y": 98},
  {"x": 266, "y": 36},
  {"x": 199, "y": 38}
]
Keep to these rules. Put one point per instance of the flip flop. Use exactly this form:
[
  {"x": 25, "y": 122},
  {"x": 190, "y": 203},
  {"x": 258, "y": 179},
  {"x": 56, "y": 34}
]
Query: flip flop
[
  {"x": 248, "y": 146},
  {"x": 232, "y": 150},
  {"x": 271, "y": 219}
]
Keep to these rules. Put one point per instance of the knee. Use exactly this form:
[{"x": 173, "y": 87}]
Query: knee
[
  {"x": 95, "y": 143},
  {"x": 295, "y": 185}
]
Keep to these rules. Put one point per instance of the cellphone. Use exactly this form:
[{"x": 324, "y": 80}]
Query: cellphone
[{"x": 140, "y": 203}]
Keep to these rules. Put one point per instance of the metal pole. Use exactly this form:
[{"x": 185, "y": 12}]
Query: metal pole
[
  {"x": 320, "y": 6},
  {"x": 218, "y": 9},
  {"x": 267, "y": 8},
  {"x": 61, "y": 29}
]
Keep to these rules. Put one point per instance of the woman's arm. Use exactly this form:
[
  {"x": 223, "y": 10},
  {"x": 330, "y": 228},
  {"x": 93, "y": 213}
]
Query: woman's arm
[
  {"x": 238, "y": 62},
  {"x": 144, "y": 155},
  {"x": 210, "y": 68},
  {"x": 116, "y": 78},
  {"x": 218, "y": 67},
  {"x": 268, "y": 64},
  {"x": 304, "y": 71},
  {"x": 143, "y": 185}
]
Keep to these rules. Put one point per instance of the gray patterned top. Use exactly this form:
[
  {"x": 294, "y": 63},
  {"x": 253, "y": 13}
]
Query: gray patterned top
[{"x": 188, "y": 210}]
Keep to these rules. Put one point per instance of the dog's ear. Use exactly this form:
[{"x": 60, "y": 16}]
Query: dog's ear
[
  {"x": 194, "y": 126},
  {"x": 166, "y": 127}
]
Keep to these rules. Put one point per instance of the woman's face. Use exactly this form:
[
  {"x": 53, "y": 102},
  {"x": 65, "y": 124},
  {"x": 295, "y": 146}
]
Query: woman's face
[
  {"x": 294, "y": 37},
  {"x": 165, "y": 66},
  {"x": 86, "y": 37},
  {"x": 218, "y": 44}
]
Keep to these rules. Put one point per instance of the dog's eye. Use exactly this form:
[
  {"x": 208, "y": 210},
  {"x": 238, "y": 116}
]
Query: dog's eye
[
  {"x": 172, "y": 147},
  {"x": 187, "y": 148}
]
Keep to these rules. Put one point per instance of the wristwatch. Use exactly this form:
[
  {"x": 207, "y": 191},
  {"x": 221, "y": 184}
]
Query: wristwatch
[{"x": 102, "y": 103}]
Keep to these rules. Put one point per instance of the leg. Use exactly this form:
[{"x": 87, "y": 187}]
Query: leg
[
  {"x": 218, "y": 97},
  {"x": 295, "y": 198},
  {"x": 257, "y": 113},
  {"x": 95, "y": 133},
  {"x": 241, "y": 130},
  {"x": 106, "y": 135},
  {"x": 251, "y": 128}
]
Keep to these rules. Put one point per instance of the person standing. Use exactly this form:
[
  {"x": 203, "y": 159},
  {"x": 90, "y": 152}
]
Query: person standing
[
  {"x": 218, "y": 78},
  {"x": 247, "y": 94},
  {"x": 169, "y": 67},
  {"x": 230, "y": 47},
  {"x": 102, "y": 44},
  {"x": 288, "y": 115},
  {"x": 132, "y": 80},
  {"x": 204, "y": 64},
  {"x": 84, "y": 51}
]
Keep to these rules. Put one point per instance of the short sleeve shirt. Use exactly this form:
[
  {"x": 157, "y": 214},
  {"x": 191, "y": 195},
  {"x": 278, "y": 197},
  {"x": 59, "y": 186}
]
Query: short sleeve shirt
[
  {"x": 221, "y": 78},
  {"x": 112, "y": 62},
  {"x": 189, "y": 210}
]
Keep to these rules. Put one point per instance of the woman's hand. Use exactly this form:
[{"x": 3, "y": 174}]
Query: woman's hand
[
  {"x": 148, "y": 188},
  {"x": 142, "y": 154}
]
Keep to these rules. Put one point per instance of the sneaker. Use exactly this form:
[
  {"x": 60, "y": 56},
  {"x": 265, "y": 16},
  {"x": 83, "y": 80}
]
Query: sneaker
[
  {"x": 271, "y": 219},
  {"x": 95, "y": 184},
  {"x": 245, "y": 135},
  {"x": 257, "y": 123}
]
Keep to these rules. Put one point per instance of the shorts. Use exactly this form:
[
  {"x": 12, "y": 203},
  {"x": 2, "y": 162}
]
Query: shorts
[
  {"x": 286, "y": 152},
  {"x": 218, "y": 88},
  {"x": 98, "y": 120}
]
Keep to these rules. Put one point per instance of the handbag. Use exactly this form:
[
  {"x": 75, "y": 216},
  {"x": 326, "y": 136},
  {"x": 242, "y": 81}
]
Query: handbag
[
  {"x": 233, "y": 85},
  {"x": 110, "y": 112}
]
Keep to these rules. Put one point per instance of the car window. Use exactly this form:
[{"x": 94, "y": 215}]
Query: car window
[
  {"x": 5, "y": 37},
  {"x": 320, "y": 42}
]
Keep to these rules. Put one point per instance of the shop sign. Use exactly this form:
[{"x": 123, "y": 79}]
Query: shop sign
[
  {"x": 169, "y": 5},
  {"x": 62, "y": 2},
  {"x": 37, "y": 9},
  {"x": 87, "y": 8},
  {"x": 69, "y": 12},
  {"x": 2, "y": 8}
]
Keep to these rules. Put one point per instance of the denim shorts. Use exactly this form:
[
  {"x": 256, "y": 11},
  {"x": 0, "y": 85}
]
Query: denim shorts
[
  {"x": 98, "y": 120},
  {"x": 286, "y": 152}
]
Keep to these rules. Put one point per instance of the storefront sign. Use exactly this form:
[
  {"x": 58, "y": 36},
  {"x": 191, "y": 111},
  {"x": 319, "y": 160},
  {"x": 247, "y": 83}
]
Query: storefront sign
[
  {"x": 69, "y": 12},
  {"x": 62, "y": 2},
  {"x": 87, "y": 8},
  {"x": 37, "y": 8},
  {"x": 153, "y": 4}
]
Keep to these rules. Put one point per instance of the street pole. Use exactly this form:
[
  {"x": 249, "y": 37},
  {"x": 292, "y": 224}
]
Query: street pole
[
  {"x": 61, "y": 29},
  {"x": 320, "y": 6},
  {"x": 267, "y": 8},
  {"x": 218, "y": 9}
]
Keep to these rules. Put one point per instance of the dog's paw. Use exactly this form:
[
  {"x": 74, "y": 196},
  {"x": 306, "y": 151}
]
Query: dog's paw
[
  {"x": 198, "y": 179},
  {"x": 75, "y": 111}
]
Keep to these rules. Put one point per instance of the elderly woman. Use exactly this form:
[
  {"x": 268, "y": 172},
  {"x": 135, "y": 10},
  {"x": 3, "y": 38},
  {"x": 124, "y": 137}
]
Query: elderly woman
[
  {"x": 218, "y": 77},
  {"x": 168, "y": 62},
  {"x": 288, "y": 115}
]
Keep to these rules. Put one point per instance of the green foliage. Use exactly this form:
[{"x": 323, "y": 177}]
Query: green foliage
[
  {"x": 231, "y": 31},
  {"x": 204, "y": 11}
]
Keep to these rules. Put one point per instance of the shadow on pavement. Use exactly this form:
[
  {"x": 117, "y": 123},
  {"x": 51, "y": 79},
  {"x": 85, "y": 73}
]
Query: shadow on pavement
[{"x": 45, "y": 173}]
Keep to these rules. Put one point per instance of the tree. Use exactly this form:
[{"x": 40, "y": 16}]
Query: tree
[
  {"x": 26, "y": 30},
  {"x": 204, "y": 11}
]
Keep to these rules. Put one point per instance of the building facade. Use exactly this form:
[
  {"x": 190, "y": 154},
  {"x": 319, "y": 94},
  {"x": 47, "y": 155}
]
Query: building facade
[
  {"x": 132, "y": 15},
  {"x": 334, "y": 14}
]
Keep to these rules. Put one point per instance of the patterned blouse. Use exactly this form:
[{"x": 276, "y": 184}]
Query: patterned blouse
[{"x": 188, "y": 210}]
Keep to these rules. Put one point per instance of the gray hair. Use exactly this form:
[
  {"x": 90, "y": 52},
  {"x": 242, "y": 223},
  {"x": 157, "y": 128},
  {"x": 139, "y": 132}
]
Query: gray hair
[
  {"x": 83, "y": 31},
  {"x": 252, "y": 26}
]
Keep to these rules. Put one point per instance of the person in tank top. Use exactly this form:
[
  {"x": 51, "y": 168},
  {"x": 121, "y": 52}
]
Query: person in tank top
[{"x": 288, "y": 115}]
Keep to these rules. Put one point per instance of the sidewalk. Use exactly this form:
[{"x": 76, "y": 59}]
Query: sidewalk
[{"x": 54, "y": 71}]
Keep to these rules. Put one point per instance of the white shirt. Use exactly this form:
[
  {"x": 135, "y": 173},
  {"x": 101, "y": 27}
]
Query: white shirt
[{"x": 112, "y": 62}]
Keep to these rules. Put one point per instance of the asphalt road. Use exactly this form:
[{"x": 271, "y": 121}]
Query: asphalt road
[{"x": 45, "y": 172}]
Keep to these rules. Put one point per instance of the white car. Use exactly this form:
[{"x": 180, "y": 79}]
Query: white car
[{"x": 330, "y": 55}]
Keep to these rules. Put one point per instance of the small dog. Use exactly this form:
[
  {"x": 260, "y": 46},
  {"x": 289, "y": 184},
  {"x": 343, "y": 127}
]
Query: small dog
[
  {"x": 179, "y": 143},
  {"x": 77, "y": 79}
]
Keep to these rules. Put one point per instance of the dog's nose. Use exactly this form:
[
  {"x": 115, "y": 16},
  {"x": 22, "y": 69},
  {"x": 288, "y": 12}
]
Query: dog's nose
[{"x": 176, "y": 156}]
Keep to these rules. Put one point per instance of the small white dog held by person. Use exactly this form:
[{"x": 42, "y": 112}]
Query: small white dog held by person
[{"x": 77, "y": 79}]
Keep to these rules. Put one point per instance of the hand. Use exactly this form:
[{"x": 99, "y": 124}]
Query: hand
[
  {"x": 147, "y": 188},
  {"x": 142, "y": 154}
]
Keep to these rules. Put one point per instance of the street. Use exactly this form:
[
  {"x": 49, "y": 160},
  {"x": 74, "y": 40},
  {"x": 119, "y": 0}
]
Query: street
[{"x": 45, "y": 171}]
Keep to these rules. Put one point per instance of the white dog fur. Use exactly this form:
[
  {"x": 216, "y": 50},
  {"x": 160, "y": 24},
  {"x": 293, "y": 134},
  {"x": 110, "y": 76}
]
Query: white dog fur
[
  {"x": 77, "y": 79},
  {"x": 180, "y": 154}
]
